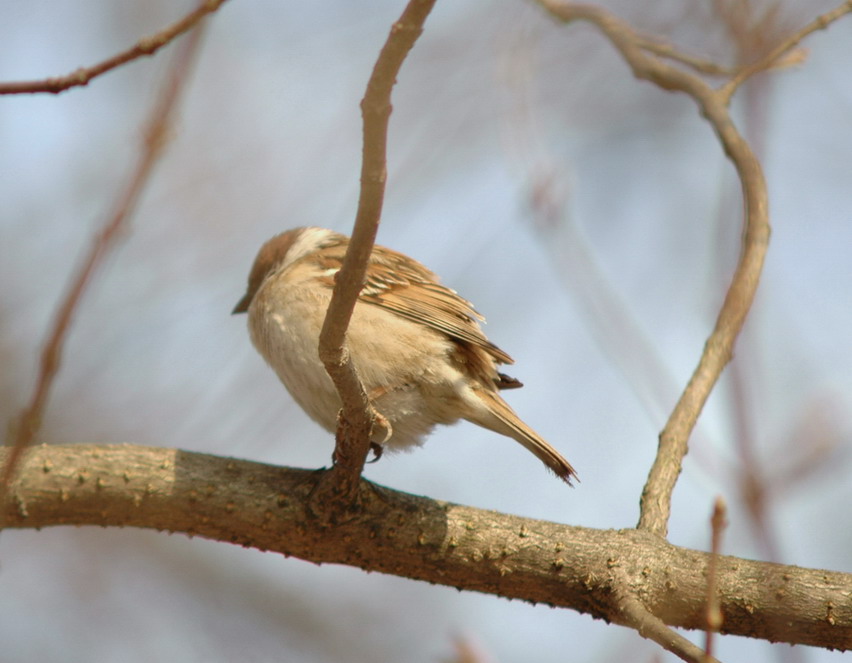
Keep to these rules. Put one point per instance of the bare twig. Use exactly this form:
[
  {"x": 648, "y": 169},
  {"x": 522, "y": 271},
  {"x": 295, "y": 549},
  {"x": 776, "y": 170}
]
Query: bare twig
[
  {"x": 666, "y": 50},
  {"x": 638, "y": 53},
  {"x": 714, "y": 612},
  {"x": 27, "y": 426},
  {"x": 652, "y": 627},
  {"x": 772, "y": 58},
  {"x": 750, "y": 472},
  {"x": 145, "y": 46},
  {"x": 357, "y": 415},
  {"x": 656, "y": 496}
]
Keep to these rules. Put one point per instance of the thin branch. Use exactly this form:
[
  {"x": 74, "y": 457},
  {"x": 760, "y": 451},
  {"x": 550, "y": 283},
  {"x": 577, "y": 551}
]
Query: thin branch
[
  {"x": 750, "y": 34},
  {"x": 638, "y": 617},
  {"x": 269, "y": 508},
  {"x": 772, "y": 58},
  {"x": 144, "y": 47},
  {"x": 714, "y": 612},
  {"x": 718, "y": 350},
  {"x": 357, "y": 415},
  {"x": 666, "y": 50},
  {"x": 28, "y": 424}
]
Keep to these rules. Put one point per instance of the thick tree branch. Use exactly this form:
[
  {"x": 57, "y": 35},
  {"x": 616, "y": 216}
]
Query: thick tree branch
[
  {"x": 357, "y": 415},
  {"x": 145, "y": 46},
  {"x": 268, "y": 508}
]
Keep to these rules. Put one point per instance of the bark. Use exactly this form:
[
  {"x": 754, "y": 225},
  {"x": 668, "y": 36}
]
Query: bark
[{"x": 597, "y": 572}]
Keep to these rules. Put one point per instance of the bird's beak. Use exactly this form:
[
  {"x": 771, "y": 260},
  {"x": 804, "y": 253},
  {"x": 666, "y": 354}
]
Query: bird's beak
[{"x": 242, "y": 305}]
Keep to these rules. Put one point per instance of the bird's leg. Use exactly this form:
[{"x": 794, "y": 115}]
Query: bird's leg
[
  {"x": 382, "y": 428},
  {"x": 377, "y": 450}
]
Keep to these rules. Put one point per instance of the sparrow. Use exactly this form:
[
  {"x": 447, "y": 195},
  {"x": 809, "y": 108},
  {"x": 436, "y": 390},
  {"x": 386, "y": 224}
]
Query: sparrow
[{"x": 416, "y": 345}]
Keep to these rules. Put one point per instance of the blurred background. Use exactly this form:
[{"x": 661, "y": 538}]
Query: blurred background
[{"x": 591, "y": 217}]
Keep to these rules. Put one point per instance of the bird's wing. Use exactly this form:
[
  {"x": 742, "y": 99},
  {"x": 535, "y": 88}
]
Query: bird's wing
[{"x": 403, "y": 286}]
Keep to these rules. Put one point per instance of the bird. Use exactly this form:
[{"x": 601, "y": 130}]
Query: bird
[{"x": 416, "y": 345}]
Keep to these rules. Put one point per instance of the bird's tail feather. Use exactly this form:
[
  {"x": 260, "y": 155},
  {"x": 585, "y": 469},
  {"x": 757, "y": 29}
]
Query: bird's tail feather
[{"x": 502, "y": 419}]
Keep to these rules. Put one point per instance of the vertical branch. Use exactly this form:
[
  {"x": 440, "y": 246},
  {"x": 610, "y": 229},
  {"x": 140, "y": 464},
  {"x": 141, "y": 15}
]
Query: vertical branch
[
  {"x": 714, "y": 611},
  {"x": 357, "y": 415},
  {"x": 718, "y": 350},
  {"x": 655, "y": 505},
  {"x": 29, "y": 422}
]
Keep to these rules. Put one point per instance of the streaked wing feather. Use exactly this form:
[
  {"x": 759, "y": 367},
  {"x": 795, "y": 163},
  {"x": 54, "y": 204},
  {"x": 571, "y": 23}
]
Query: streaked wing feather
[{"x": 390, "y": 285}]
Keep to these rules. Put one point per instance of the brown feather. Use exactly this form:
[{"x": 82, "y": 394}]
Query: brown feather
[
  {"x": 409, "y": 290},
  {"x": 508, "y": 423},
  {"x": 389, "y": 285}
]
